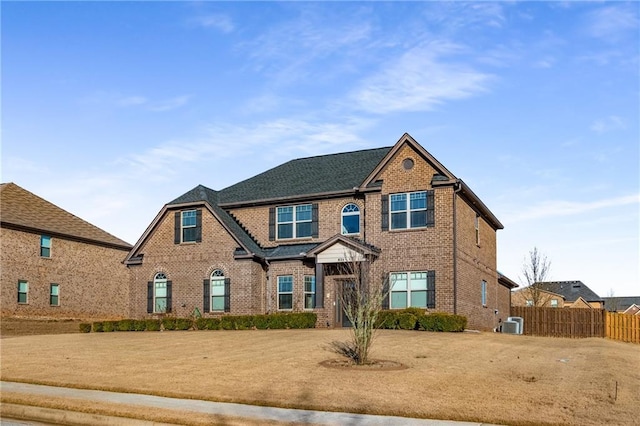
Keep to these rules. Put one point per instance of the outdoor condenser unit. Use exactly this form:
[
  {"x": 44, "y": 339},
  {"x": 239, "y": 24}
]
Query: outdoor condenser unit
[
  {"x": 520, "y": 322},
  {"x": 510, "y": 327}
]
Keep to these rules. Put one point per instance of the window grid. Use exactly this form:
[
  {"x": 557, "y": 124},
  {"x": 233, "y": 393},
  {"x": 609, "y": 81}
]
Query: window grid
[
  {"x": 54, "y": 297},
  {"x": 309, "y": 292},
  {"x": 217, "y": 290},
  {"x": 294, "y": 222},
  {"x": 188, "y": 226},
  {"x": 45, "y": 246},
  {"x": 411, "y": 289},
  {"x": 351, "y": 219},
  {"x": 408, "y": 210},
  {"x": 160, "y": 293},
  {"x": 483, "y": 291},
  {"x": 285, "y": 292}
]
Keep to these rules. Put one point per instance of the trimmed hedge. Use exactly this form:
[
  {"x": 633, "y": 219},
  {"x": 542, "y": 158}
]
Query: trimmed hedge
[
  {"x": 226, "y": 322},
  {"x": 418, "y": 319}
]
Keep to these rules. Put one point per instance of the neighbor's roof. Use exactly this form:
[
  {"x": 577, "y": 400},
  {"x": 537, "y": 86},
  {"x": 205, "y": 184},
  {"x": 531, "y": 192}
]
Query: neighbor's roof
[
  {"x": 620, "y": 303},
  {"x": 324, "y": 174},
  {"x": 571, "y": 290},
  {"x": 21, "y": 209}
]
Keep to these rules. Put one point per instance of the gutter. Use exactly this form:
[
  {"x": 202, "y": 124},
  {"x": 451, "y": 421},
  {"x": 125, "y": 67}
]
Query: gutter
[{"x": 457, "y": 187}]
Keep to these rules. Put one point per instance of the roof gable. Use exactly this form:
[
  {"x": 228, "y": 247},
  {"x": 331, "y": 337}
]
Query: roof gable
[
  {"x": 24, "y": 210},
  {"x": 571, "y": 290},
  {"x": 311, "y": 176}
]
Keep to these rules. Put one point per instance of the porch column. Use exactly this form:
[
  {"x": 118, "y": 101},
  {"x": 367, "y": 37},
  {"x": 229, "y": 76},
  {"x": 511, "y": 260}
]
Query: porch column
[{"x": 319, "y": 285}]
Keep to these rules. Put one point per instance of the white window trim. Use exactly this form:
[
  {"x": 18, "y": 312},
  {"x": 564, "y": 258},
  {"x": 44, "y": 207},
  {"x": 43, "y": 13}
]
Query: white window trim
[
  {"x": 477, "y": 226},
  {"x": 407, "y": 210},
  {"x": 183, "y": 226},
  {"x": 158, "y": 280},
  {"x": 483, "y": 290},
  {"x": 408, "y": 291},
  {"x": 284, "y": 292},
  {"x": 43, "y": 246},
  {"x": 217, "y": 276},
  {"x": 313, "y": 280},
  {"x": 294, "y": 222},
  {"x": 343, "y": 230},
  {"x": 26, "y": 293},
  {"x": 51, "y": 286}
]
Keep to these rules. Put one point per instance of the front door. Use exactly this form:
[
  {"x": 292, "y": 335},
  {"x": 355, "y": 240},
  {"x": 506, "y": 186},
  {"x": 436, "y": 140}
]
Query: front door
[{"x": 345, "y": 296}]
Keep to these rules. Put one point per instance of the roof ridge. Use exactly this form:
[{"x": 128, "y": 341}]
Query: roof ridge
[{"x": 338, "y": 153}]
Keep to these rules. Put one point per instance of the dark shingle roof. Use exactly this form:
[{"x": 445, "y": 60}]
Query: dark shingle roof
[
  {"x": 571, "y": 290},
  {"x": 25, "y": 210},
  {"x": 203, "y": 194},
  {"x": 307, "y": 176},
  {"x": 620, "y": 303}
]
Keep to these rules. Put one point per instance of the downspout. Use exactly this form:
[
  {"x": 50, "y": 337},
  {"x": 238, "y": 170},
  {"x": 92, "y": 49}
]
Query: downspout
[{"x": 457, "y": 188}]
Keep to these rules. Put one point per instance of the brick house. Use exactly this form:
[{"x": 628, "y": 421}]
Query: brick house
[
  {"x": 560, "y": 294},
  {"x": 274, "y": 242},
  {"x": 55, "y": 264}
]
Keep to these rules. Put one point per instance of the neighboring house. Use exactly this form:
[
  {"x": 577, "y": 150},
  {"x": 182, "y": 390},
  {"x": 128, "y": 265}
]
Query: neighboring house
[
  {"x": 55, "y": 264},
  {"x": 625, "y": 305},
  {"x": 275, "y": 242},
  {"x": 567, "y": 294},
  {"x": 546, "y": 299}
]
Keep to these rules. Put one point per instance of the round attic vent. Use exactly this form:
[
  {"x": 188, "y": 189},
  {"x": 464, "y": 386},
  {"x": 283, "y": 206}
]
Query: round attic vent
[{"x": 407, "y": 164}]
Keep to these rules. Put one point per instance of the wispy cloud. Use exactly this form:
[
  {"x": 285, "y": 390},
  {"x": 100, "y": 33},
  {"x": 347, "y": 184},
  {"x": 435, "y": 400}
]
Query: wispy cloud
[
  {"x": 419, "y": 80},
  {"x": 137, "y": 101},
  {"x": 132, "y": 101},
  {"x": 608, "y": 124},
  {"x": 555, "y": 208},
  {"x": 613, "y": 22},
  {"x": 170, "y": 104},
  {"x": 220, "y": 22}
]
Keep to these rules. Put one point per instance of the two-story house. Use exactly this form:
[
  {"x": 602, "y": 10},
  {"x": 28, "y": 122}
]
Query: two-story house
[
  {"x": 275, "y": 242},
  {"x": 56, "y": 265}
]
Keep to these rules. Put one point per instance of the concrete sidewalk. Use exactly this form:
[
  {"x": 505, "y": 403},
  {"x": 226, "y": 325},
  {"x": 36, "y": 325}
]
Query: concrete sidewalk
[{"x": 250, "y": 412}]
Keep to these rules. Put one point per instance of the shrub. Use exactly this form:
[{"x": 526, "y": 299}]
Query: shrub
[
  {"x": 183, "y": 323},
  {"x": 169, "y": 323},
  {"x": 228, "y": 322},
  {"x": 261, "y": 322},
  {"x": 139, "y": 325},
  {"x": 110, "y": 326},
  {"x": 387, "y": 320},
  {"x": 302, "y": 320},
  {"x": 440, "y": 321},
  {"x": 244, "y": 322},
  {"x": 125, "y": 325},
  {"x": 152, "y": 324},
  {"x": 277, "y": 321},
  {"x": 85, "y": 328},
  {"x": 98, "y": 327},
  {"x": 407, "y": 321}
]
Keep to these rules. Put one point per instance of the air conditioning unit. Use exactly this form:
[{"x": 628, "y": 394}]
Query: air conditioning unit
[
  {"x": 510, "y": 327},
  {"x": 520, "y": 322}
]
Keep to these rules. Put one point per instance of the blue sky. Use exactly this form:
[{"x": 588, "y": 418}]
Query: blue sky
[{"x": 112, "y": 109}]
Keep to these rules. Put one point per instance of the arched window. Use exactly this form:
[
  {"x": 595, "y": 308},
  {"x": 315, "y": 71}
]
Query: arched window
[
  {"x": 160, "y": 293},
  {"x": 350, "y": 219},
  {"x": 218, "y": 291}
]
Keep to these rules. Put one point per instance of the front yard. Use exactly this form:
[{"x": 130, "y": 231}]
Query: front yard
[{"x": 484, "y": 377}]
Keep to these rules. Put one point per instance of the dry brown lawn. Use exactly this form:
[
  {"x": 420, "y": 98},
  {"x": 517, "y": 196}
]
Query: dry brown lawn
[{"x": 483, "y": 377}]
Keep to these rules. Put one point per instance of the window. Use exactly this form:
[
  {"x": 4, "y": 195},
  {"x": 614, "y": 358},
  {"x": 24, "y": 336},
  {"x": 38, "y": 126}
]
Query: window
[
  {"x": 483, "y": 292},
  {"x": 54, "y": 295},
  {"x": 217, "y": 291},
  {"x": 160, "y": 293},
  {"x": 350, "y": 219},
  {"x": 45, "y": 246},
  {"x": 23, "y": 291},
  {"x": 412, "y": 289},
  {"x": 554, "y": 303},
  {"x": 409, "y": 210},
  {"x": 309, "y": 292},
  {"x": 529, "y": 302},
  {"x": 285, "y": 292},
  {"x": 294, "y": 221},
  {"x": 477, "y": 225},
  {"x": 189, "y": 226}
]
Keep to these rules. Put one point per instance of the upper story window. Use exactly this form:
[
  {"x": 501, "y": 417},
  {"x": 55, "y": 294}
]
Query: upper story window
[
  {"x": 351, "y": 219},
  {"x": 45, "y": 246},
  {"x": 554, "y": 303},
  {"x": 483, "y": 292},
  {"x": 477, "y": 225},
  {"x": 409, "y": 210},
  {"x": 294, "y": 221},
  {"x": 188, "y": 226}
]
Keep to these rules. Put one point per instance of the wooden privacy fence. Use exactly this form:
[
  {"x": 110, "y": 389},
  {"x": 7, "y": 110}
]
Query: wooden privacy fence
[
  {"x": 623, "y": 327},
  {"x": 561, "y": 322}
]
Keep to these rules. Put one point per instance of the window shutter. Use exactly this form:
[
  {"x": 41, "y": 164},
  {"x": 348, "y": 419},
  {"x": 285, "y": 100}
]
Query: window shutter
[
  {"x": 198, "y": 225},
  {"x": 384, "y": 201},
  {"x": 227, "y": 294},
  {"x": 18, "y": 291},
  {"x": 206, "y": 301},
  {"x": 176, "y": 226},
  {"x": 431, "y": 289},
  {"x": 169, "y": 304},
  {"x": 319, "y": 285},
  {"x": 150, "y": 297},
  {"x": 314, "y": 220},
  {"x": 272, "y": 224},
  {"x": 431, "y": 219},
  {"x": 385, "y": 291}
]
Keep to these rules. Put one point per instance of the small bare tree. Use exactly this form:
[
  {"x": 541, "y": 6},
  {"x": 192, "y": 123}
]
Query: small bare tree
[
  {"x": 361, "y": 300},
  {"x": 535, "y": 270}
]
